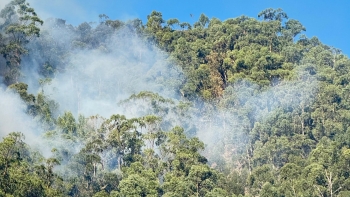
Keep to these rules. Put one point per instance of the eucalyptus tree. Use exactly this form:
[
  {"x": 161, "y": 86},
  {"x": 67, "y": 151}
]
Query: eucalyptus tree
[{"x": 20, "y": 26}]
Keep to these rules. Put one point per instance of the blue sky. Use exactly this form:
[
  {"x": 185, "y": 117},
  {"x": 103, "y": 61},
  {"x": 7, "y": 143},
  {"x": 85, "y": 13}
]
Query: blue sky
[{"x": 326, "y": 19}]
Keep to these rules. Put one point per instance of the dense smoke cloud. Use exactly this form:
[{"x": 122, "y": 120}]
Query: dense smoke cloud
[
  {"x": 93, "y": 81},
  {"x": 98, "y": 80},
  {"x": 13, "y": 117}
]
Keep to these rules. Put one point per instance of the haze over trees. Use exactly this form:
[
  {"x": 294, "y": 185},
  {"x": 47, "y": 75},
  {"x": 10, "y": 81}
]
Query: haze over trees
[{"x": 240, "y": 107}]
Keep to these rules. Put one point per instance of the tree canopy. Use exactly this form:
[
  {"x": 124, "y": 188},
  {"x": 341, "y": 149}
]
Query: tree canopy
[{"x": 260, "y": 109}]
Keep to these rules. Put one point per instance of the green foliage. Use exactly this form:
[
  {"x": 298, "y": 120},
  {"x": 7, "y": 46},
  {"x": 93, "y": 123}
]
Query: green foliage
[
  {"x": 300, "y": 148},
  {"x": 40, "y": 107},
  {"x": 20, "y": 26},
  {"x": 21, "y": 175}
]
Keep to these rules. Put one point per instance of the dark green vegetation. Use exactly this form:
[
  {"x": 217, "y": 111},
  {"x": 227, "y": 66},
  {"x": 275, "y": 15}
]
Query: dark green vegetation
[{"x": 302, "y": 148}]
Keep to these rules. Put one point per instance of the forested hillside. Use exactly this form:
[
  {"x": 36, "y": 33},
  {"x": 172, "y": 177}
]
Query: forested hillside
[{"x": 240, "y": 107}]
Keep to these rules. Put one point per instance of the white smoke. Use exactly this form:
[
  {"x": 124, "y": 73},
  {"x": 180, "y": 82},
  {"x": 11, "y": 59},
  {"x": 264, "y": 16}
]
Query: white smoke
[
  {"x": 3, "y": 3},
  {"x": 95, "y": 80},
  {"x": 13, "y": 117}
]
